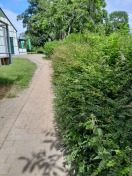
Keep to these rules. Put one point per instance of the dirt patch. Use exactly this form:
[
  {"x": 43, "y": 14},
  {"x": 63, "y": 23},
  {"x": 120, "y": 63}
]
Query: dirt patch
[{"x": 4, "y": 89}]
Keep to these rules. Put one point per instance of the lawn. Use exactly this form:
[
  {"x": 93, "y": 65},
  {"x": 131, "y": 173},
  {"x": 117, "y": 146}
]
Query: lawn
[{"x": 17, "y": 75}]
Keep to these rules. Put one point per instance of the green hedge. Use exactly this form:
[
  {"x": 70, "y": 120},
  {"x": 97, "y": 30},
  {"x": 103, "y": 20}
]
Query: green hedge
[
  {"x": 40, "y": 50},
  {"x": 93, "y": 105},
  {"x": 50, "y": 46}
]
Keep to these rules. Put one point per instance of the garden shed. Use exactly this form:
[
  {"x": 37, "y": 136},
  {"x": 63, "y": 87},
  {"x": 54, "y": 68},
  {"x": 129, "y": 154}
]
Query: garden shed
[{"x": 8, "y": 39}]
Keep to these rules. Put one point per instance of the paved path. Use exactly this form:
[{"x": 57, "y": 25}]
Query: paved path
[{"x": 28, "y": 145}]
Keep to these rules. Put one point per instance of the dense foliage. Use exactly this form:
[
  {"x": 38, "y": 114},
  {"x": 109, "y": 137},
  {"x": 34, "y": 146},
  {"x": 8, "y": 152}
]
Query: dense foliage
[
  {"x": 53, "y": 20},
  {"x": 92, "y": 78},
  {"x": 118, "y": 20},
  {"x": 50, "y": 20}
]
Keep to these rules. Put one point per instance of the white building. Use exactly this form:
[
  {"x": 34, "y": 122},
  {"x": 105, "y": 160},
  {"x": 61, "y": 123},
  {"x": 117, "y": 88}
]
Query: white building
[{"x": 8, "y": 39}]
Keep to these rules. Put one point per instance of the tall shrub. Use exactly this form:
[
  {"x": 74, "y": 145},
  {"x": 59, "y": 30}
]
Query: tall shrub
[{"x": 93, "y": 104}]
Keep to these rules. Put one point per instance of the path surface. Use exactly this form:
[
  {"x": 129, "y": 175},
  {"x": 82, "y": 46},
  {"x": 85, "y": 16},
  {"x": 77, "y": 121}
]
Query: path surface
[{"x": 28, "y": 145}]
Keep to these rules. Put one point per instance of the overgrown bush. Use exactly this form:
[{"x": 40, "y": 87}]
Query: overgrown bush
[
  {"x": 50, "y": 46},
  {"x": 92, "y": 78}
]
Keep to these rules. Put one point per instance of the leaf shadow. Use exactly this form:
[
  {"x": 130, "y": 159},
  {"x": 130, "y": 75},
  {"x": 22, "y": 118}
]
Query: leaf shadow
[{"x": 46, "y": 160}]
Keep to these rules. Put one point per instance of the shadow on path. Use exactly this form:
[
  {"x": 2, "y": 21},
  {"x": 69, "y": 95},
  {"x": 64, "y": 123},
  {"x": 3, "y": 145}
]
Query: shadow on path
[{"x": 49, "y": 160}]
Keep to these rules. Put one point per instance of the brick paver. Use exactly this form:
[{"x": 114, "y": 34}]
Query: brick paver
[{"x": 28, "y": 145}]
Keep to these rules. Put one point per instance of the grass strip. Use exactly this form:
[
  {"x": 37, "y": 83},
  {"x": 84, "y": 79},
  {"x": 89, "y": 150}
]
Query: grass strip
[{"x": 18, "y": 74}]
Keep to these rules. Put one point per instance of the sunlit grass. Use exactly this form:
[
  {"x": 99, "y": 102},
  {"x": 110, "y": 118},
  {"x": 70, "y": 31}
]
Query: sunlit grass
[{"x": 18, "y": 74}]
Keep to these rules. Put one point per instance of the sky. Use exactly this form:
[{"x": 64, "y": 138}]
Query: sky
[
  {"x": 120, "y": 5},
  {"x": 12, "y": 8}
]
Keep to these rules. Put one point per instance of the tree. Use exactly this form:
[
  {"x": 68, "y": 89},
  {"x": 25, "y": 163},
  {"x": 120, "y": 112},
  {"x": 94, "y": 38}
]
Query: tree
[
  {"x": 118, "y": 20},
  {"x": 54, "y": 19}
]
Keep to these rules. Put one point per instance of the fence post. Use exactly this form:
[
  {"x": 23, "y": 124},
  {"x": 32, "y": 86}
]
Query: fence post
[{"x": 8, "y": 43}]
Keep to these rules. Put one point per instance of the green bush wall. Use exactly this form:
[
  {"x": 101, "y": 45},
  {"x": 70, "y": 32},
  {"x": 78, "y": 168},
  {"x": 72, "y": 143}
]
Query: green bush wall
[{"x": 93, "y": 105}]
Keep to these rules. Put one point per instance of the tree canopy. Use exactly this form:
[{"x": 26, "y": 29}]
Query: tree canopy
[
  {"x": 55, "y": 19},
  {"x": 119, "y": 20},
  {"x": 48, "y": 20}
]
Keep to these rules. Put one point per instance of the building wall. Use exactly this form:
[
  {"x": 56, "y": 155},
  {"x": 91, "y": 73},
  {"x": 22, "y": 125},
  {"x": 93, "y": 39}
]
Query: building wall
[
  {"x": 3, "y": 43},
  {"x": 3, "y": 37}
]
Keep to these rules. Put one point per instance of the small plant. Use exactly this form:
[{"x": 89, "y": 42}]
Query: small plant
[{"x": 40, "y": 50}]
